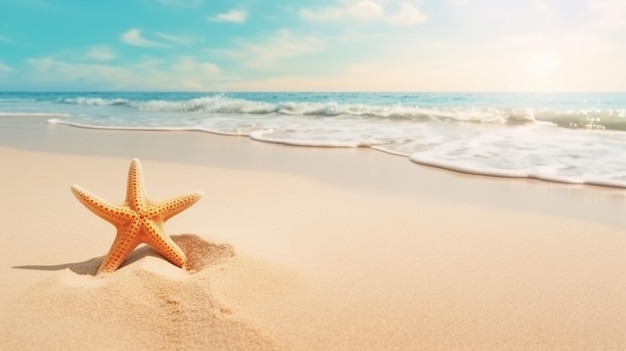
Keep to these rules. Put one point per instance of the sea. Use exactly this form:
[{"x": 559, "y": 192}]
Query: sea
[{"x": 577, "y": 138}]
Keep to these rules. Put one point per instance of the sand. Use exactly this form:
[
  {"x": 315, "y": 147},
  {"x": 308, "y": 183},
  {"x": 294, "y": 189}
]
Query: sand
[{"x": 301, "y": 249}]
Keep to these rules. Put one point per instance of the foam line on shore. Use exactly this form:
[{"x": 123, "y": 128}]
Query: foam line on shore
[
  {"x": 262, "y": 136},
  {"x": 142, "y": 128}
]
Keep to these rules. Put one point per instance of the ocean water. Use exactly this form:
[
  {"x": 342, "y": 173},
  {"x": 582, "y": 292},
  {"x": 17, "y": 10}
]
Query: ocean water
[{"x": 575, "y": 138}]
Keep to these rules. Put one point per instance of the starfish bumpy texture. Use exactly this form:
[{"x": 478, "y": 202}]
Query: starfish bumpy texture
[{"x": 138, "y": 220}]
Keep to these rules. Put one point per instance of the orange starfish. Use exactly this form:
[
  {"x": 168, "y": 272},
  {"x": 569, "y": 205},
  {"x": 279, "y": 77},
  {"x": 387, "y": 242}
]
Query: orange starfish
[{"x": 138, "y": 220}]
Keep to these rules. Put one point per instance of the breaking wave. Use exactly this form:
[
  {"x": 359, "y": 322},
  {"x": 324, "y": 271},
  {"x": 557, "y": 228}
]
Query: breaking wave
[{"x": 610, "y": 119}]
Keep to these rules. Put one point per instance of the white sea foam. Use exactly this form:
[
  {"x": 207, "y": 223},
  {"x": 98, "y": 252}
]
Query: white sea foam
[
  {"x": 95, "y": 101},
  {"x": 519, "y": 152},
  {"x": 229, "y": 105},
  {"x": 265, "y": 136},
  {"x": 141, "y": 128}
]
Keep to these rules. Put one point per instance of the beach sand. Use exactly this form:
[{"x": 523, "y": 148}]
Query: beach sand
[{"x": 301, "y": 249}]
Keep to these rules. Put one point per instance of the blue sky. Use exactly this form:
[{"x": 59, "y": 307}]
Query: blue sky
[{"x": 313, "y": 45}]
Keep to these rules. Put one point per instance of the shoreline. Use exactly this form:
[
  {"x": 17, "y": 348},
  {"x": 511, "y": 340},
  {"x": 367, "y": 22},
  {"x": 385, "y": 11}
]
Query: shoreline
[
  {"x": 334, "y": 249},
  {"x": 364, "y": 169},
  {"x": 259, "y": 136}
]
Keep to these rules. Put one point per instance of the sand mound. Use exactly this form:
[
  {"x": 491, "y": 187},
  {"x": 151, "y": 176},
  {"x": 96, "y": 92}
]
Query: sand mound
[
  {"x": 201, "y": 253},
  {"x": 148, "y": 303}
]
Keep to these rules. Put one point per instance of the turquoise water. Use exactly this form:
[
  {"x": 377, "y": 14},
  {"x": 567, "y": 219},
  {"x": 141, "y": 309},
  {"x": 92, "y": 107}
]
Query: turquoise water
[{"x": 562, "y": 137}]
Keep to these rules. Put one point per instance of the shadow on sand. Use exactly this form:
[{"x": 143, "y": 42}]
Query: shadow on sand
[{"x": 200, "y": 253}]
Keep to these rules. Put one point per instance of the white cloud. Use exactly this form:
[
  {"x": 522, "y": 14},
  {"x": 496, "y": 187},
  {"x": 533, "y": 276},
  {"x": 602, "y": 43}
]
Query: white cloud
[
  {"x": 543, "y": 6},
  {"x": 267, "y": 50},
  {"x": 191, "y": 65},
  {"x": 184, "y": 40},
  {"x": 364, "y": 10},
  {"x": 405, "y": 14},
  {"x": 611, "y": 14},
  {"x": 100, "y": 53},
  {"x": 4, "y": 68},
  {"x": 459, "y": 3},
  {"x": 52, "y": 69},
  {"x": 133, "y": 37},
  {"x": 184, "y": 73},
  {"x": 231, "y": 16},
  {"x": 573, "y": 62}
]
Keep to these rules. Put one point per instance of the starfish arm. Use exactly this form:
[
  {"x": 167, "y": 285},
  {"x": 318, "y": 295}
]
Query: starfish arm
[
  {"x": 169, "y": 208},
  {"x": 125, "y": 242},
  {"x": 111, "y": 213},
  {"x": 135, "y": 194},
  {"x": 163, "y": 244}
]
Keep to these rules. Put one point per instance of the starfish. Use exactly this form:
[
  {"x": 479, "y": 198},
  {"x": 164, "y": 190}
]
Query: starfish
[{"x": 138, "y": 220}]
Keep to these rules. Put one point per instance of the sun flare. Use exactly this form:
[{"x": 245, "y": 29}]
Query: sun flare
[{"x": 544, "y": 64}]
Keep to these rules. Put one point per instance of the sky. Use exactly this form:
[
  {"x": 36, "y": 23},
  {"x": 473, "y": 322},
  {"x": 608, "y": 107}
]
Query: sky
[{"x": 313, "y": 45}]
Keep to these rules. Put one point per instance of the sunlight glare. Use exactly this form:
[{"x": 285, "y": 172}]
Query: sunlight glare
[{"x": 544, "y": 64}]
